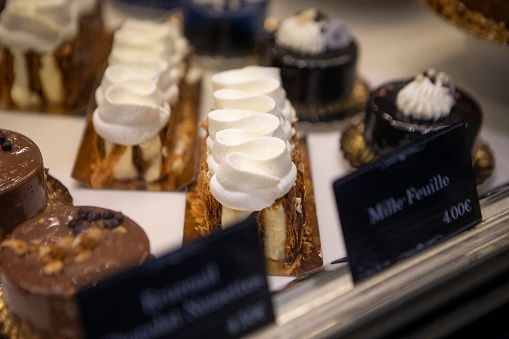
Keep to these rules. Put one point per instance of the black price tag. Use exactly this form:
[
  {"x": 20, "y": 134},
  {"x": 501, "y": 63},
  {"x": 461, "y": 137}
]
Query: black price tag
[
  {"x": 408, "y": 201},
  {"x": 215, "y": 287}
]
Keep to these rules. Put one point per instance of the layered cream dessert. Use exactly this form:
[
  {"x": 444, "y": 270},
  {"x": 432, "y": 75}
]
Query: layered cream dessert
[
  {"x": 136, "y": 100},
  {"x": 42, "y": 67},
  {"x": 251, "y": 161}
]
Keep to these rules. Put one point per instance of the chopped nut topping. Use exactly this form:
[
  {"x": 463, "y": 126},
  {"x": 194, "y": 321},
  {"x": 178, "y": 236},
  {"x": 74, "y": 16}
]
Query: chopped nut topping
[
  {"x": 19, "y": 247},
  {"x": 120, "y": 229},
  {"x": 82, "y": 256},
  {"x": 53, "y": 267}
]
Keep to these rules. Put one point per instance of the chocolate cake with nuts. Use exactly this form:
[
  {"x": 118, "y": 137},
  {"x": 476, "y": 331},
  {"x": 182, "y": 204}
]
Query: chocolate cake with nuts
[
  {"x": 22, "y": 180},
  {"x": 49, "y": 258}
]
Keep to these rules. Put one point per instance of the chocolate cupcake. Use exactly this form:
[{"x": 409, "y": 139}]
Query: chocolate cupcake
[
  {"x": 48, "y": 259},
  {"x": 318, "y": 59},
  {"x": 22, "y": 180},
  {"x": 402, "y": 111}
]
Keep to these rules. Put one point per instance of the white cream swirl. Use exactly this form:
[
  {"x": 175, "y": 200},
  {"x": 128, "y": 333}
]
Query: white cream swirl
[
  {"x": 40, "y": 26},
  {"x": 424, "y": 100},
  {"x": 147, "y": 41},
  {"x": 249, "y": 153},
  {"x": 255, "y": 170},
  {"x": 262, "y": 124},
  {"x": 157, "y": 72},
  {"x": 251, "y": 88},
  {"x": 308, "y": 34},
  {"x": 131, "y": 113}
]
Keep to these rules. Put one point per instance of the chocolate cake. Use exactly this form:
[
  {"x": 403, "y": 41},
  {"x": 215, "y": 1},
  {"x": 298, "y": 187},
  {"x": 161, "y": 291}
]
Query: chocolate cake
[
  {"x": 22, "y": 180},
  {"x": 317, "y": 58},
  {"x": 390, "y": 124},
  {"x": 49, "y": 258}
]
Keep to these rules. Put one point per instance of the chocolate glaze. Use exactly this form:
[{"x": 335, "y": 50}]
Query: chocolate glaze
[
  {"x": 386, "y": 128},
  {"x": 312, "y": 79},
  {"x": 45, "y": 301},
  {"x": 22, "y": 182}
]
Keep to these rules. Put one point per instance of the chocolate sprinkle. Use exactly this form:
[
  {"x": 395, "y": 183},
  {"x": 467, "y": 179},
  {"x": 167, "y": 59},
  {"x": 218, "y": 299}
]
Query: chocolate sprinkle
[
  {"x": 111, "y": 223},
  {"x": 87, "y": 217},
  {"x": 6, "y": 146},
  {"x": 2, "y": 137},
  {"x": 83, "y": 213},
  {"x": 108, "y": 215}
]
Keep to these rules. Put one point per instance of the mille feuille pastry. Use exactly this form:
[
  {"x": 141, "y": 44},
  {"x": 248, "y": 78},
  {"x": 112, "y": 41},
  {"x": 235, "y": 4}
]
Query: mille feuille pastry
[
  {"x": 49, "y": 258},
  {"x": 403, "y": 111},
  {"x": 251, "y": 161},
  {"x": 22, "y": 180},
  {"x": 317, "y": 57},
  {"x": 44, "y": 66},
  {"x": 135, "y": 119}
]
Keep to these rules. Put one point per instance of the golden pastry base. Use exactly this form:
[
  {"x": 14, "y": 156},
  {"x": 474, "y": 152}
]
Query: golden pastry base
[
  {"x": 57, "y": 193},
  {"x": 473, "y": 22},
  {"x": 11, "y": 328},
  {"x": 344, "y": 108},
  {"x": 358, "y": 152},
  {"x": 304, "y": 262},
  {"x": 183, "y": 147}
]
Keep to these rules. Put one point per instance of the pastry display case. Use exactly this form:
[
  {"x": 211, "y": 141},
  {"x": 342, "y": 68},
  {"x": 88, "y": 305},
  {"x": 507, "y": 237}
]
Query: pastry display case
[{"x": 457, "y": 286}]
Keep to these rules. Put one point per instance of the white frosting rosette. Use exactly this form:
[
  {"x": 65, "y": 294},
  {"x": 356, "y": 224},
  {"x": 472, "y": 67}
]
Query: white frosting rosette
[
  {"x": 249, "y": 153},
  {"x": 253, "y": 86},
  {"x": 422, "y": 99},
  {"x": 253, "y": 172},
  {"x": 131, "y": 113},
  {"x": 308, "y": 34}
]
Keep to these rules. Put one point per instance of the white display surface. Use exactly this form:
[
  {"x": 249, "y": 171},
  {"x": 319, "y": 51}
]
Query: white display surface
[{"x": 396, "y": 38}]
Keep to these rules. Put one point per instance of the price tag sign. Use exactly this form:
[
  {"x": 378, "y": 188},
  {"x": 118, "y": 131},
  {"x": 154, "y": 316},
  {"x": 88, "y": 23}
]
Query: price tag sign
[
  {"x": 407, "y": 201},
  {"x": 215, "y": 287}
]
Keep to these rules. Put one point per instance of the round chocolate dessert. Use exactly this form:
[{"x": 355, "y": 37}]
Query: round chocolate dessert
[
  {"x": 49, "y": 258},
  {"x": 22, "y": 180},
  {"x": 403, "y": 111},
  {"x": 317, "y": 58}
]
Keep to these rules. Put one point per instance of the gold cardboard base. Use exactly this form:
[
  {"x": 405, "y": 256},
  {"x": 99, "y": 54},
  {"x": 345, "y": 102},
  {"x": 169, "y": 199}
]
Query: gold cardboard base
[
  {"x": 358, "y": 152},
  {"x": 307, "y": 260}
]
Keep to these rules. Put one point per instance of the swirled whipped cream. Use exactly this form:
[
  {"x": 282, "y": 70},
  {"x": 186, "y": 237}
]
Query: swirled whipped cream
[
  {"x": 40, "y": 26},
  {"x": 311, "y": 33},
  {"x": 131, "y": 113},
  {"x": 424, "y": 99},
  {"x": 249, "y": 155},
  {"x": 255, "y": 88},
  {"x": 254, "y": 171},
  {"x": 146, "y": 41}
]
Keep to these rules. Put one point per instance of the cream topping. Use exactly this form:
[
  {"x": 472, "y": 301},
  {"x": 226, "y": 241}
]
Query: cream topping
[
  {"x": 157, "y": 72},
  {"x": 249, "y": 155},
  {"x": 424, "y": 100},
  {"x": 308, "y": 34},
  {"x": 41, "y": 26},
  {"x": 251, "y": 87},
  {"x": 148, "y": 40},
  {"x": 253, "y": 123},
  {"x": 131, "y": 113},
  {"x": 254, "y": 172}
]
